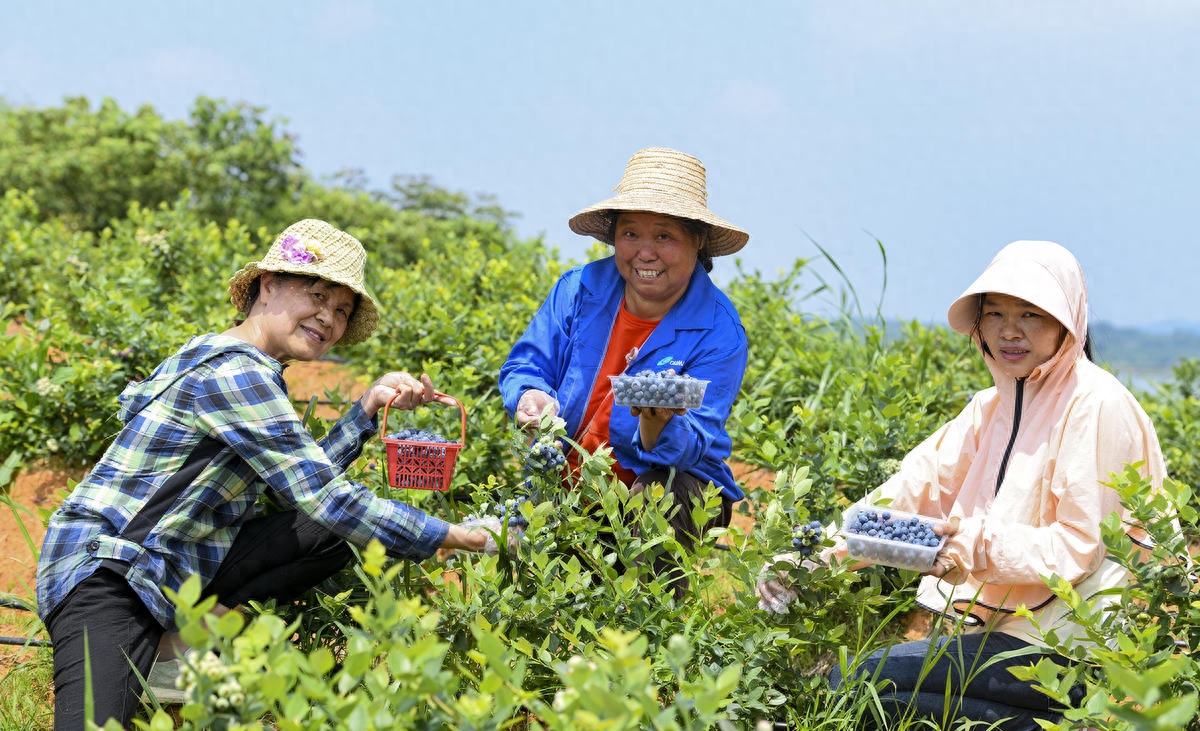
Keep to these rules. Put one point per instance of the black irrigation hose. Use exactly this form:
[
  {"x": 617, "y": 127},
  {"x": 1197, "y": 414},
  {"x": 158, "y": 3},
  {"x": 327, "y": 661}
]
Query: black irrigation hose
[
  {"x": 8, "y": 603},
  {"x": 24, "y": 641}
]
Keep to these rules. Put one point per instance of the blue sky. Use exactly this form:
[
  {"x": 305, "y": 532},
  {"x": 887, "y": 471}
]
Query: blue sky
[{"x": 942, "y": 128}]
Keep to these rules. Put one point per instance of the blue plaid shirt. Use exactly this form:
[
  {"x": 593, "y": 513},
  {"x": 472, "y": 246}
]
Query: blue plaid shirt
[{"x": 218, "y": 387}]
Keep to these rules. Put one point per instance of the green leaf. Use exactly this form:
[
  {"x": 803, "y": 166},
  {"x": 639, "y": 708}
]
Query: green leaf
[{"x": 320, "y": 660}]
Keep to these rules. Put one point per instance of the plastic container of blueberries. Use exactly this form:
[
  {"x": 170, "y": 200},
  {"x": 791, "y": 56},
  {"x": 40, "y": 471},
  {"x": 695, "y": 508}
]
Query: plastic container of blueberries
[
  {"x": 681, "y": 401},
  {"x": 886, "y": 551}
]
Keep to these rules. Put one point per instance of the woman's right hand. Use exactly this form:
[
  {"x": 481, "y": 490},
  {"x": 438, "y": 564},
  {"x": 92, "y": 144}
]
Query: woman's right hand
[
  {"x": 402, "y": 391},
  {"x": 532, "y": 405},
  {"x": 774, "y": 587}
]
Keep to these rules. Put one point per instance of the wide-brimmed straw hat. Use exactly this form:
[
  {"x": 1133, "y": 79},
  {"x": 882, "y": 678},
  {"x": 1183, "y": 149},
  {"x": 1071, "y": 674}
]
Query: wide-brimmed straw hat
[
  {"x": 666, "y": 181},
  {"x": 315, "y": 249}
]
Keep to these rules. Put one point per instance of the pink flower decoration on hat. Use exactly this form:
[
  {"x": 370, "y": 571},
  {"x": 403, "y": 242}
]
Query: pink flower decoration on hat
[{"x": 293, "y": 251}]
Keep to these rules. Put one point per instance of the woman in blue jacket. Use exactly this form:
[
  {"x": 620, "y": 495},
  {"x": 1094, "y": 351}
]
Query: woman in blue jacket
[{"x": 651, "y": 306}]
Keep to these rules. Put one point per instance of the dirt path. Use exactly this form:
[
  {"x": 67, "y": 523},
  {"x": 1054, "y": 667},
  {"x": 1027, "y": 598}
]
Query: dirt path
[{"x": 34, "y": 492}]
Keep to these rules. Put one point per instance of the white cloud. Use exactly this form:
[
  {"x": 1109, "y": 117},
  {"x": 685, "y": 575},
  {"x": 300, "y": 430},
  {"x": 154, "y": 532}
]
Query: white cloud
[
  {"x": 752, "y": 101},
  {"x": 167, "y": 78},
  {"x": 171, "y": 78},
  {"x": 27, "y": 74},
  {"x": 194, "y": 68},
  {"x": 343, "y": 20},
  {"x": 885, "y": 27}
]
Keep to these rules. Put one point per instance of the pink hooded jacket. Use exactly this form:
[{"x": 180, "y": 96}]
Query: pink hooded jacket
[{"x": 1022, "y": 465}]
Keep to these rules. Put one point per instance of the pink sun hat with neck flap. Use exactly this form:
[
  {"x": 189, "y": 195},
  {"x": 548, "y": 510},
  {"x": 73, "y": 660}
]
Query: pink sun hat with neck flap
[{"x": 1042, "y": 273}]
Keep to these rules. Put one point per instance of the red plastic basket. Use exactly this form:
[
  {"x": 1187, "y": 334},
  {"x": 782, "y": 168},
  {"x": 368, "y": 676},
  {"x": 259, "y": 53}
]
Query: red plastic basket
[{"x": 417, "y": 465}]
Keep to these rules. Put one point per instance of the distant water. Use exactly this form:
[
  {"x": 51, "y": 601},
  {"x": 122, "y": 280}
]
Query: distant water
[{"x": 1142, "y": 380}]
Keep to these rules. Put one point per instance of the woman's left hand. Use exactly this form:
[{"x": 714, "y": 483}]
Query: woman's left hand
[
  {"x": 942, "y": 563},
  {"x": 402, "y": 391},
  {"x": 651, "y": 421},
  {"x": 656, "y": 413}
]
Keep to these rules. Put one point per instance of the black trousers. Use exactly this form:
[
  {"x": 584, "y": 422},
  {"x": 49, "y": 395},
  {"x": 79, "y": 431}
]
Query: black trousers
[
  {"x": 686, "y": 489},
  {"x": 277, "y": 556},
  {"x": 966, "y": 682}
]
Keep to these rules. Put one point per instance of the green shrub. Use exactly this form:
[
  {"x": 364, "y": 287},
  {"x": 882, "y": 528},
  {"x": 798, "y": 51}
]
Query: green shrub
[
  {"x": 1174, "y": 407},
  {"x": 86, "y": 166},
  {"x": 574, "y": 631},
  {"x": 1135, "y": 660}
]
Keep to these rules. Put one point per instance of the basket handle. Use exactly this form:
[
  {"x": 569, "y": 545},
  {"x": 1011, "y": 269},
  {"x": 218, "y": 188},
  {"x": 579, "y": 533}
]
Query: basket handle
[{"x": 462, "y": 412}]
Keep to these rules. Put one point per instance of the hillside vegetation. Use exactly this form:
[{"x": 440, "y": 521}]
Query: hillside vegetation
[
  {"x": 120, "y": 231},
  {"x": 1139, "y": 352}
]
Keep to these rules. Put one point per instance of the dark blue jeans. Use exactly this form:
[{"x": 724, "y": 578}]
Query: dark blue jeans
[{"x": 963, "y": 682}]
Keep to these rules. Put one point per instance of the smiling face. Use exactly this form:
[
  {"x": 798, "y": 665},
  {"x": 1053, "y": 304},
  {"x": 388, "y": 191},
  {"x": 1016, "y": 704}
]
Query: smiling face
[
  {"x": 298, "y": 318},
  {"x": 656, "y": 256},
  {"x": 1019, "y": 335}
]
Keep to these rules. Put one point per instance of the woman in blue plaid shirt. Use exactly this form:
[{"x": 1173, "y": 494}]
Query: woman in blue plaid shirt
[{"x": 207, "y": 434}]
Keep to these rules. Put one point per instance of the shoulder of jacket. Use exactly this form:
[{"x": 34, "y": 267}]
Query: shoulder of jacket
[
  {"x": 240, "y": 357},
  {"x": 982, "y": 398},
  {"x": 1100, "y": 394},
  {"x": 595, "y": 274},
  {"x": 1097, "y": 384},
  {"x": 725, "y": 305},
  {"x": 705, "y": 300}
]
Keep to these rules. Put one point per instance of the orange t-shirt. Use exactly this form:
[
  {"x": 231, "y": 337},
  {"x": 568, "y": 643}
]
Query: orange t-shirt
[{"x": 628, "y": 332}]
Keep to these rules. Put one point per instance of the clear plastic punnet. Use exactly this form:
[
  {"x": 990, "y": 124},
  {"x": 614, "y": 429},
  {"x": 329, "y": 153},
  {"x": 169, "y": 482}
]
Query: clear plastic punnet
[
  {"x": 892, "y": 537},
  {"x": 658, "y": 389}
]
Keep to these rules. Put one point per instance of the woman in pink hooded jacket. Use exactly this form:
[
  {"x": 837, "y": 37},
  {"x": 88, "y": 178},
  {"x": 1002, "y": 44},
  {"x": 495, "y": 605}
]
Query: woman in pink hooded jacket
[{"x": 1021, "y": 472}]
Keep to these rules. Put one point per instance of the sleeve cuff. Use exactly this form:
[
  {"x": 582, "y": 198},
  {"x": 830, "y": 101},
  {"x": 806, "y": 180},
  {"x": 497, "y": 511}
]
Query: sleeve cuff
[
  {"x": 367, "y": 425},
  {"x": 668, "y": 450},
  {"x": 966, "y": 548},
  {"x": 433, "y": 535}
]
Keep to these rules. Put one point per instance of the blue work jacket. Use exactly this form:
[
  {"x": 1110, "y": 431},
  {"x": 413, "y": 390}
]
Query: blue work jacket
[{"x": 562, "y": 349}]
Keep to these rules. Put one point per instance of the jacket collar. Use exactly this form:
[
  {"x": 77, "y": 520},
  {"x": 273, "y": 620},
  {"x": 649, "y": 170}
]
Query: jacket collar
[{"x": 194, "y": 353}]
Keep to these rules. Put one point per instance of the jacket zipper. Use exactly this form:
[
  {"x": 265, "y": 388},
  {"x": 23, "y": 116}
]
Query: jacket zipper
[{"x": 1012, "y": 438}]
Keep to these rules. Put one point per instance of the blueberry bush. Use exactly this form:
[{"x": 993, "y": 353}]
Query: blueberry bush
[{"x": 581, "y": 627}]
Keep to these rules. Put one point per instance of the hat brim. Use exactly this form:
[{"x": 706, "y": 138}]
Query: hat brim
[
  {"x": 596, "y": 221},
  {"x": 362, "y": 323},
  {"x": 1034, "y": 284}
]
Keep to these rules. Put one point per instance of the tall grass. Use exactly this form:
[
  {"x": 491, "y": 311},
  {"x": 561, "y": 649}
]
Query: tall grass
[{"x": 26, "y": 698}]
